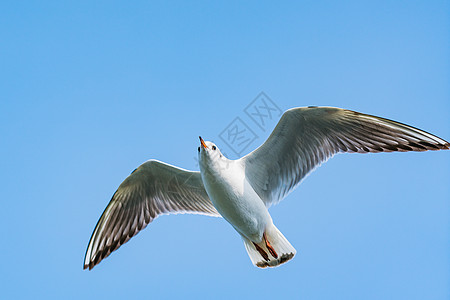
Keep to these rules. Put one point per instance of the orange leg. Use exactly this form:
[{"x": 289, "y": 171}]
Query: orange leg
[
  {"x": 269, "y": 247},
  {"x": 262, "y": 252}
]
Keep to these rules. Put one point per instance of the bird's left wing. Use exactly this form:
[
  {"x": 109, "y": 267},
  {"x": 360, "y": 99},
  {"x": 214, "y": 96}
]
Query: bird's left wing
[
  {"x": 153, "y": 189},
  {"x": 307, "y": 136}
]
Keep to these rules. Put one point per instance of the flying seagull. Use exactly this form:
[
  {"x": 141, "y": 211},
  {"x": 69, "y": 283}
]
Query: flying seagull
[{"x": 242, "y": 190}]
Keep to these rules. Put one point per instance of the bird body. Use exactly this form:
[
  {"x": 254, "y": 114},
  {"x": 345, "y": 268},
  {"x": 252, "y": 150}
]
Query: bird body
[
  {"x": 233, "y": 196},
  {"x": 238, "y": 203},
  {"x": 242, "y": 190}
]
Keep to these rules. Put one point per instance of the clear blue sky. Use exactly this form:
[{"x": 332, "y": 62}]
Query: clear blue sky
[{"x": 90, "y": 90}]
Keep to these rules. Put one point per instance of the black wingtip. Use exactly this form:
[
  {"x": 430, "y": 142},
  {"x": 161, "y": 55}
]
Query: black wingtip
[{"x": 89, "y": 266}]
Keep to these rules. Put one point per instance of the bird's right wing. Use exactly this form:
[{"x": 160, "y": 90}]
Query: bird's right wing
[
  {"x": 305, "y": 137},
  {"x": 153, "y": 189}
]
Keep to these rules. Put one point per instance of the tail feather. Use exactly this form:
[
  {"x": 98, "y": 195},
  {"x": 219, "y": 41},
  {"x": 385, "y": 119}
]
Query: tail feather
[{"x": 280, "y": 244}]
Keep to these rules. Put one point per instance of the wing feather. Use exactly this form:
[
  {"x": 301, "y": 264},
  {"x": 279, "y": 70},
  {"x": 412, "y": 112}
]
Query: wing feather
[
  {"x": 305, "y": 137},
  {"x": 153, "y": 189}
]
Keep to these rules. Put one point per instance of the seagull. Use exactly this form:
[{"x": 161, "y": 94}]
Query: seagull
[{"x": 242, "y": 190}]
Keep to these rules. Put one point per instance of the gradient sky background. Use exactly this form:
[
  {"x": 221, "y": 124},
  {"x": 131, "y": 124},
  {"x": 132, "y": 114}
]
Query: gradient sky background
[{"x": 90, "y": 90}]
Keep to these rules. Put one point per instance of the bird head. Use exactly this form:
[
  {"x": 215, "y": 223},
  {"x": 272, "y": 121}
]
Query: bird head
[{"x": 209, "y": 154}]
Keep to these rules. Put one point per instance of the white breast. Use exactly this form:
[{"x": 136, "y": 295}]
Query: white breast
[{"x": 236, "y": 201}]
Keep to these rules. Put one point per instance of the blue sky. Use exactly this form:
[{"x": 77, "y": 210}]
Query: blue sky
[{"x": 90, "y": 90}]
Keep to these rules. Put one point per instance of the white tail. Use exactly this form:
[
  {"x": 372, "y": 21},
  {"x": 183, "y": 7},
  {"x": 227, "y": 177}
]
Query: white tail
[{"x": 283, "y": 249}]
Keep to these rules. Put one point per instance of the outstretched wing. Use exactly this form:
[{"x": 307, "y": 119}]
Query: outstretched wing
[
  {"x": 307, "y": 136},
  {"x": 153, "y": 189}
]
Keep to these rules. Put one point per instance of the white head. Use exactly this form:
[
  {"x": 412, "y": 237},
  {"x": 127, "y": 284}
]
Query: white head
[{"x": 210, "y": 158}]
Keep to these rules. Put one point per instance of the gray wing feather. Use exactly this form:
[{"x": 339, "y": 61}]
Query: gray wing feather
[
  {"x": 153, "y": 189},
  {"x": 306, "y": 137}
]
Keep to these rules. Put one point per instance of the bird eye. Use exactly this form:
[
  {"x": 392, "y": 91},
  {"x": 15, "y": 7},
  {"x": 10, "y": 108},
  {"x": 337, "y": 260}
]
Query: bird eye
[
  {"x": 198, "y": 149},
  {"x": 213, "y": 147}
]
